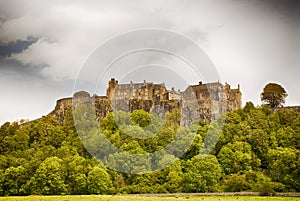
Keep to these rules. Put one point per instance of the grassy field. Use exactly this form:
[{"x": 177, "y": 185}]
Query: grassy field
[{"x": 133, "y": 198}]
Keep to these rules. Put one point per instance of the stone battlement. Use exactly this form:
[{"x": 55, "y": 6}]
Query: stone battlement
[{"x": 202, "y": 101}]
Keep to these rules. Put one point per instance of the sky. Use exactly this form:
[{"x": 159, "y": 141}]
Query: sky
[{"x": 45, "y": 44}]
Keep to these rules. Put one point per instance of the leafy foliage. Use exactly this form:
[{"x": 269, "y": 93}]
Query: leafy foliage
[
  {"x": 257, "y": 151},
  {"x": 274, "y": 95}
]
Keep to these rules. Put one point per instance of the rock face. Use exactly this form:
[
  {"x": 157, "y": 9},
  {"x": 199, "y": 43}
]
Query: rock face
[
  {"x": 202, "y": 101},
  {"x": 61, "y": 107}
]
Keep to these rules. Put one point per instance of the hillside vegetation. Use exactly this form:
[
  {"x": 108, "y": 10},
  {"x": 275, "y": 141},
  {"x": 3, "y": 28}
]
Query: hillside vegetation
[
  {"x": 130, "y": 198},
  {"x": 256, "y": 151}
]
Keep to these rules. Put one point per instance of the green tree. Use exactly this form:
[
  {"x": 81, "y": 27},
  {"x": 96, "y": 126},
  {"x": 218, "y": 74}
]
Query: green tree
[
  {"x": 147, "y": 183},
  {"x": 174, "y": 178},
  {"x": 13, "y": 180},
  {"x": 128, "y": 162},
  {"x": 174, "y": 117},
  {"x": 236, "y": 183},
  {"x": 140, "y": 118},
  {"x": 284, "y": 167},
  {"x": 259, "y": 182},
  {"x": 119, "y": 181},
  {"x": 249, "y": 106},
  {"x": 274, "y": 95},
  {"x": 99, "y": 181},
  {"x": 201, "y": 174},
  {"x": 49, "y": 178},
  {"x": 78, "y": 169},
  {"x": 237, "y": 157}
]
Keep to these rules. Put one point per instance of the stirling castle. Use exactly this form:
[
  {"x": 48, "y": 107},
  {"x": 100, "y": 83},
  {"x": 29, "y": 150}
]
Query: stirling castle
[{"x": 203, "y": 101}]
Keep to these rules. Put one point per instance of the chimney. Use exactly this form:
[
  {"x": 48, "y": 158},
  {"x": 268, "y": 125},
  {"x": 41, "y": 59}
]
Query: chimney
[{"x": 200, "y": 83}]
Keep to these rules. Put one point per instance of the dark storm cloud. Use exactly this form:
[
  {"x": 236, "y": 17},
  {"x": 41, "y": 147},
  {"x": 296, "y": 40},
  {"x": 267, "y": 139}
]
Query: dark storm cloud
[
  {"x": 26, "y": 71},
  {"x": 27, "y": 93},
  {"x": 7, "y": 49},
  {"x": 289, "y": 12},
  {"x": 30, "y": 75},
  {"x": 286, "y": 8},
  {"x": 286, "y": 5}
]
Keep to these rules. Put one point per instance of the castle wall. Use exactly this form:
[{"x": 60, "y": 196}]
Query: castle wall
[
  {"x": 201, "y": 101},
  {"x": 61, "y": 107},
  {"x": 142, "y": 91},
  {"x": 102, "y": 105}
]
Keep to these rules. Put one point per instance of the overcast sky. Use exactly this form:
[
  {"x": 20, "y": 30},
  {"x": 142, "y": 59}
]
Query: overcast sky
[{"x": 43, "y": 44}]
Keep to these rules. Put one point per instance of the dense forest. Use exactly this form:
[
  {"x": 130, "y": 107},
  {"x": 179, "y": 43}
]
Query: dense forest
[{"x": 257, "y": 150}]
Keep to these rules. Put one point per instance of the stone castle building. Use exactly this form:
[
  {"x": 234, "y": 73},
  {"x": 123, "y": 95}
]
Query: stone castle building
[{"x": 201, "y": 101}]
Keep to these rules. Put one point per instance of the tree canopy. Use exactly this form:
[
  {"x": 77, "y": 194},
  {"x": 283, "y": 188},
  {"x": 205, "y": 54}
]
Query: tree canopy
[
  {"x": 257, "y": 151},
  {"x": 274, "y": 95}
]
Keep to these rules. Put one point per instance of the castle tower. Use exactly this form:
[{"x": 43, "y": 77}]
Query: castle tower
[{"x": 112, "y": 83}]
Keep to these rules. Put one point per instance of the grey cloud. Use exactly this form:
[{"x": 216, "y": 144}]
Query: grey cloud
[
  {"x": 2, "y": 20},
  {"x": 288, "y": 10},
  {"x": 28, "y": 75},
  {"x": 7, "y": 49},
  {"x": 27, "y": 93},
  {"x": 23, "y": 71},
  {"x": 250, "y": 41},
  {"x": 289, "y": 7}
]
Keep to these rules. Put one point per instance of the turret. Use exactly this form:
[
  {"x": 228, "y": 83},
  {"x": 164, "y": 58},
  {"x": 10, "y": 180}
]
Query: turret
[
  {"x": 112, "y": 83},
  {"x": 227, "y": 86}
]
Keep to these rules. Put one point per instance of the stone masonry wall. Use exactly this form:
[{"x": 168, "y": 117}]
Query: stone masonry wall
[{"x": 201, "y": 101}]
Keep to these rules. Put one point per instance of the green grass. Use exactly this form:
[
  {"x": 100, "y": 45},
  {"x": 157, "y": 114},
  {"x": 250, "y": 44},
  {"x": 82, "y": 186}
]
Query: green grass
[{"x": 133, "y": 198}]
